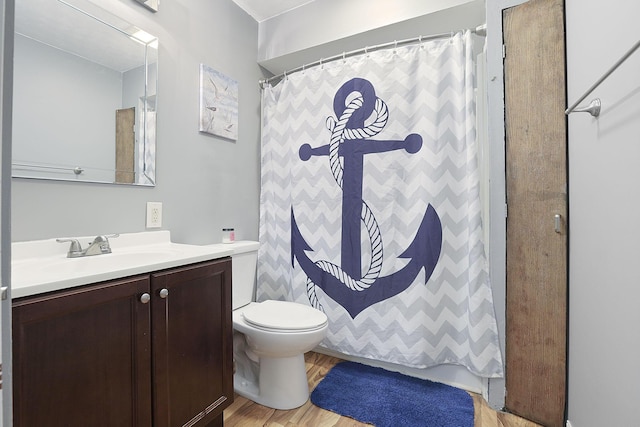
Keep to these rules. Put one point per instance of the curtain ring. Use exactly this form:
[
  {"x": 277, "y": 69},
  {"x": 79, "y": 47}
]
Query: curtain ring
[
  {"x": 321, "y": 66},
  {"x": 344, "y": 57},
  {"x": 420, "y": 40},
  {"x": 395, "y": 45}
]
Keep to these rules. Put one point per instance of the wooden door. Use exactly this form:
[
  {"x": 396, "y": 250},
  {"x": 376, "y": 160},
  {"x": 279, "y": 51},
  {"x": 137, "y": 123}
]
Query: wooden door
[
  {"x": 192, "y": 344},
  {"x": 536, "y": 176},
  {"x": 82, "y": 357},
  {"x": 125, "y": 145}
]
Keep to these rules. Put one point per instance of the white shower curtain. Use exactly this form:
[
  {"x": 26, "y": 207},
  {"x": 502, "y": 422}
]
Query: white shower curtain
[{"x": 370, "y": 205}]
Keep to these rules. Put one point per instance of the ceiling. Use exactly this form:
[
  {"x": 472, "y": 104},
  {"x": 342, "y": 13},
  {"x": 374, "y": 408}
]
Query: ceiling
[{"x": 261, "y": 10}]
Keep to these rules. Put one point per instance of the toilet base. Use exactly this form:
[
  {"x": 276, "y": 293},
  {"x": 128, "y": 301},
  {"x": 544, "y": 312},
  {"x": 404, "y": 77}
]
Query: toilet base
[{"x": 282, "y": 383}]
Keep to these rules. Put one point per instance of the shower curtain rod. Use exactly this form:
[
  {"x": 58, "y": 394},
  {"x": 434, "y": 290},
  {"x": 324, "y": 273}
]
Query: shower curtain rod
[{"x": 480, "y": 30}]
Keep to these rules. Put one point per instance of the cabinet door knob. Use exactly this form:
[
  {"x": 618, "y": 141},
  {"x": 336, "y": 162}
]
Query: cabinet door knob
[
  {"x": 145, "y": 298},
  {"x": 164, "y": 292}
]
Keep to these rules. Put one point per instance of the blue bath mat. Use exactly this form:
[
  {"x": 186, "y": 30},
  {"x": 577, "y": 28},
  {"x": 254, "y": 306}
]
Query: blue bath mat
[{"x": 389, "y": 399}]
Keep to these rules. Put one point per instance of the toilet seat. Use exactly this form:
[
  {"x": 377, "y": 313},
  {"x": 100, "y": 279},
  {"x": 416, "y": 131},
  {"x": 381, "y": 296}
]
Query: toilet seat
[{"x": 284, "y": 316}]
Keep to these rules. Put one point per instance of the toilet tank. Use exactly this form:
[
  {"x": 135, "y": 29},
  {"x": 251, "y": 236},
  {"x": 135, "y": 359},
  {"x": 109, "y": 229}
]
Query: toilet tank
[{"x": 243, "y": 272}]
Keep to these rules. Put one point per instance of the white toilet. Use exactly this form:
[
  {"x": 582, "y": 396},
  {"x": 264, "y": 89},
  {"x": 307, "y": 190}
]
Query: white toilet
[{"x": 270, "y": 338}]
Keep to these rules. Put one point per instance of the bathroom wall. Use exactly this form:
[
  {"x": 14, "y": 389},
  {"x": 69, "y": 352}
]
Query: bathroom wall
[
  {"x": 204, "y": 182},
  {"x": 320, "y": 22},
  {"x": 6, "y": 80},
  {"x": 321, "y": 29},
  {"x": 604, "y": 283},
  {"x": 51, "y": 140}
]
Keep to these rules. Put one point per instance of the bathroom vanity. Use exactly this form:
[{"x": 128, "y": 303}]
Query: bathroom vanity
[{"x": 147, "y": 344}]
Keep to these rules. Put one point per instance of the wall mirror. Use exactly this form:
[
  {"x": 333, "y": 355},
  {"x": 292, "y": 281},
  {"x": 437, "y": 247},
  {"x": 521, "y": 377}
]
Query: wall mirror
[{"x": 84, "y": 95}]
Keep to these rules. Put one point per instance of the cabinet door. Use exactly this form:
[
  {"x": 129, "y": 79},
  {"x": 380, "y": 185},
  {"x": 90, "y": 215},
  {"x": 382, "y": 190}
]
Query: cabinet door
[
  {"x": 192, "y": 344},
  {"x": 82, "y": 357}
]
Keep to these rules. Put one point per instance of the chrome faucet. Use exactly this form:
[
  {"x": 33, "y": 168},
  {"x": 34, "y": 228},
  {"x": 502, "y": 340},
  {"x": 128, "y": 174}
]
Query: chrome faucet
[{"x": 100, "y": 245}]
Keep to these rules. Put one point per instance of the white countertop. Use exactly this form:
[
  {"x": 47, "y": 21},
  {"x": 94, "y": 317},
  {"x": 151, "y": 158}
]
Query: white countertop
[{"x": 42, "y": 265}]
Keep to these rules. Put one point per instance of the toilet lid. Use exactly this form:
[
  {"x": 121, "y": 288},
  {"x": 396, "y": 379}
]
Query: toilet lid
[{"x": 284, "y": 315}]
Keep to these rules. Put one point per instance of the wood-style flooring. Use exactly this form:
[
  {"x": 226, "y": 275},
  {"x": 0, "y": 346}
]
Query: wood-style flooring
[{"x": 245, "y": 413}]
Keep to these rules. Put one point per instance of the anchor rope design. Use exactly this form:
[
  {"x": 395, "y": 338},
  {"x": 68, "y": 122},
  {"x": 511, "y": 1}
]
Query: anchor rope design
[
  {"x": 359, "y": 116},
  {"x": 339, "y": 133},
  {"x": 313, "y": 296}
]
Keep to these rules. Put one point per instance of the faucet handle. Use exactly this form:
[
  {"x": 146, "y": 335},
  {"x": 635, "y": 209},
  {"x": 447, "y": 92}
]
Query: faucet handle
[
  {"x": 74, "y": 249},
  {"x": 104, "y": 238},
  {"x": 102, "y": 242}
]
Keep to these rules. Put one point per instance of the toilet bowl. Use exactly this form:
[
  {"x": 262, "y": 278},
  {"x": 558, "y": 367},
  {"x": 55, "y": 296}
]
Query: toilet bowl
[
  {"x": 278, "y": 377},
  {"x": 270, "y": 339}
]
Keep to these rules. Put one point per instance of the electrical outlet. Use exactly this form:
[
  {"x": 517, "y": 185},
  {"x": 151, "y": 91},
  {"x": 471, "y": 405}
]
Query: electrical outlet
[{"x": 154, "y": 214}]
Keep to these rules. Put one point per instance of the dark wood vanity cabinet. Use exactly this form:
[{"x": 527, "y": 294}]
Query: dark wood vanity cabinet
[
  {"x": 81, "y": 357},
  {"x": 192, "y": 344},
  {"x": 149, "y": 350}
]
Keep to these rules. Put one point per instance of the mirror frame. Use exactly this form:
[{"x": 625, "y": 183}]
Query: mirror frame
[{"x": 150, "y": 4}]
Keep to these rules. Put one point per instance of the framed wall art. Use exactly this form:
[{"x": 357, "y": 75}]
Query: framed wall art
[{"x": 218, "y": 103}]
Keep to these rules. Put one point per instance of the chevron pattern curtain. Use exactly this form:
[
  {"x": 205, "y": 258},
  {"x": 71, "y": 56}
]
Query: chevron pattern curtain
[{"x": 370, "y": 205}]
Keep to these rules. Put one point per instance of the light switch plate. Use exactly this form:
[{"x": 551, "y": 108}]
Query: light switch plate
[{"x": 154, "y": 214}]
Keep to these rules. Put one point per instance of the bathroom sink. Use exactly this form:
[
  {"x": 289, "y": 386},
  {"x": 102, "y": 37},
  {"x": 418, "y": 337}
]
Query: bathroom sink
[
  {"x": 112, "y": 261},
  {"x": 43, "y": 266}
]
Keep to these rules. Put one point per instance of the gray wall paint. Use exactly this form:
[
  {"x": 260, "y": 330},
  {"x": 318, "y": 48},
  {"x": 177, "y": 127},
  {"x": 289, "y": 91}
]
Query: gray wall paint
[
  {"x": 204, "y": 182},
  {"x": 320, "y": 22},
  {"x": 497, "y": 202},
  {"x": 328, "y": 28},
  {"x": 6, "y": 77},
  {"x": 604, "y": 279},
  {"x": 77, "y": 132}
]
